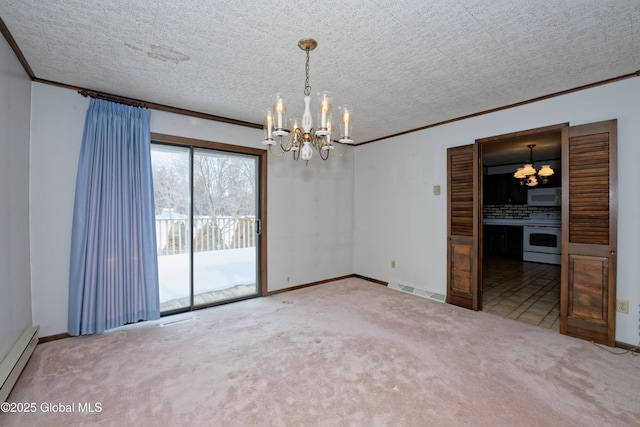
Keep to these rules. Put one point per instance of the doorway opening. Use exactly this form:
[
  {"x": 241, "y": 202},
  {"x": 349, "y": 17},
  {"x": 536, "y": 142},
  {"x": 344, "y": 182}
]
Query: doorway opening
[{"x": 521, "y": 236}]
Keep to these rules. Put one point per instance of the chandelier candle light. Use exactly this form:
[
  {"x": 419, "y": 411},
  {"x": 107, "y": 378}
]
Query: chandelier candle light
[
  {"x": 302, "y": 139},
  {"x": 528, "y": 174}
]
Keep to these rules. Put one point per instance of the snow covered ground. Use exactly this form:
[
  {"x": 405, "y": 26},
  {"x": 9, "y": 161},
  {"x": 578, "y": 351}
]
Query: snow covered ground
[{"x": 213, "y": 270}]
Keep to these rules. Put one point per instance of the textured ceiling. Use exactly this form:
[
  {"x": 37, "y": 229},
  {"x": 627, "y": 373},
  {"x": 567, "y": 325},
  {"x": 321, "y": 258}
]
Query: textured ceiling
[
  {"x": 401, "y": 64},
  {"x": 515, "y": 150}
]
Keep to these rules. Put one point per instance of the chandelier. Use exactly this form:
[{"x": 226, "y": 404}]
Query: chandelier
[
  {"x": 528, "y": 175},
  {"x": 302, "y": 139}
]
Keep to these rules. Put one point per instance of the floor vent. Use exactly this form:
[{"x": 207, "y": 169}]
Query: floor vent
[
  {"x": 174, "y": 321},
  {"x": 417, "y": 291}
]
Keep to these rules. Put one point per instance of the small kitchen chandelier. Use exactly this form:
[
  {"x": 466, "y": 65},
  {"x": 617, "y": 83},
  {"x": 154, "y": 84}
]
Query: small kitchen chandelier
[
  {"x": 302, "y": 139},
  {"x": 529, "y": 176}
]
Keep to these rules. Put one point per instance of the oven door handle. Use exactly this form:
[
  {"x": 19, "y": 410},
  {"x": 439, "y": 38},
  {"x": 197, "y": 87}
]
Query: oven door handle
[{"x": 543, "y": 227}]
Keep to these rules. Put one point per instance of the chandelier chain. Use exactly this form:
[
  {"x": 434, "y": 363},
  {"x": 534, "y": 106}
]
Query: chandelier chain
[{"x": 307, "y": 87}]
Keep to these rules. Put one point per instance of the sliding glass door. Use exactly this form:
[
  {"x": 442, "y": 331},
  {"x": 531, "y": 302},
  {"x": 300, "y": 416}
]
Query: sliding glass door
[{"x": 207, "y": 225}]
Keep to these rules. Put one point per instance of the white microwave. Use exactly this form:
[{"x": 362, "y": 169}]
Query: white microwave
[{"x": 544, "y": 196}]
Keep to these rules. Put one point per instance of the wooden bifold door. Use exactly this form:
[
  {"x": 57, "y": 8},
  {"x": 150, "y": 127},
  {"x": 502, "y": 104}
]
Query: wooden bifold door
[
  {"x": 589, "y": 229},
  {"x": 462, "y": 229},
  {"x": 589, "y": 233}
]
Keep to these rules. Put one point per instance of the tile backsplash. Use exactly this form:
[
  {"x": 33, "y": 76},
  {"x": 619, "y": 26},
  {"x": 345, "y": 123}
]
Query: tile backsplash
[{"x": 515, "y": 211}]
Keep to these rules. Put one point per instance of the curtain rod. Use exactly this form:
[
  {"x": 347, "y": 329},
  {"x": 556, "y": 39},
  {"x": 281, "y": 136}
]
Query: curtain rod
[{"x": 112, "y": 98}]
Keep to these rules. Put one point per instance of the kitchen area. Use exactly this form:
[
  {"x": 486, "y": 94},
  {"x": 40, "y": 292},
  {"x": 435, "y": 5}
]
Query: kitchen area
[
  {"x": 522, "y": 200},
  {"x": 526, "y": 232},
  {"x": 522, "y": 236}
]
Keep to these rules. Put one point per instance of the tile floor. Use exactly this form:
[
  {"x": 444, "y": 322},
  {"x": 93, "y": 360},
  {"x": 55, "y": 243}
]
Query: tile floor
[{"x": 525, "y": 291}]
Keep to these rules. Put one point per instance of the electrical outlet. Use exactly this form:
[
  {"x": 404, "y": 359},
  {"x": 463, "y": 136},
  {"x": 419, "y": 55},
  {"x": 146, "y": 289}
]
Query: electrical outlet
[
  {"x": 393, "y": 263},
  {"x": 622, "y": 306}
]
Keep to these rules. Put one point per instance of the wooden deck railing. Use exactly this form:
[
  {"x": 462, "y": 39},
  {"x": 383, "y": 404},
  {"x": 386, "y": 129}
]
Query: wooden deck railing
[{"x": 209, "y": 234}]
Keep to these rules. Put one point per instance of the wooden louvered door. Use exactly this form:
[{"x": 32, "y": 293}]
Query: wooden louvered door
[
  {"x": 589, "y": 234},
  {"x": 462, "y": 252}
]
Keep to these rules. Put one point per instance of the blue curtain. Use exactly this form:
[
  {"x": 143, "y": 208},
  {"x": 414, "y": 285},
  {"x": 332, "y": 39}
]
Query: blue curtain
[{"x": 113, "y": 278}]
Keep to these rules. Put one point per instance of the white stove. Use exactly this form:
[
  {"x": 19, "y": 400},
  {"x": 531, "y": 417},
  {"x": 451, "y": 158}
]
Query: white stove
[
  {"x": 544, "y": 218},
  {"x": 542, "y": 238}
]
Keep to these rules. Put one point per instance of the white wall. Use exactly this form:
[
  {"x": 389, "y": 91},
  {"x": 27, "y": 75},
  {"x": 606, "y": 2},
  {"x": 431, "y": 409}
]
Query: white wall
[
  {"x": 310, "y": 209},
  {"x": 15, "y": 291},
  {"x": 399, "y": 218}
]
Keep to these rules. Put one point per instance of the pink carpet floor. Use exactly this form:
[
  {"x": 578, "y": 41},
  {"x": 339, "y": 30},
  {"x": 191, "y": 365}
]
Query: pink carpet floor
[{"x": 345, "y": 353}]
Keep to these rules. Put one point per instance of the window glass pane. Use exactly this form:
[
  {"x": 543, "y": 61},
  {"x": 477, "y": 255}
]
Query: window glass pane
[
  {"x": 171, "y": 175},
  {"x": 224, "y": 242}
]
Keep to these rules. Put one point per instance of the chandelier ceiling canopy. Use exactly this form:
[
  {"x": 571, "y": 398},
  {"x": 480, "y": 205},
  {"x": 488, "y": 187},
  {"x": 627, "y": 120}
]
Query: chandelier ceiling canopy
[
  {"x": 528, "y": 175},
  {"x": 301, "y": 139}
]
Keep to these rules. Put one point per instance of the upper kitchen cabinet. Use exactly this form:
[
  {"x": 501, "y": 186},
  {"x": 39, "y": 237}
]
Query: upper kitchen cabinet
[{"x": 504, "y": 189}]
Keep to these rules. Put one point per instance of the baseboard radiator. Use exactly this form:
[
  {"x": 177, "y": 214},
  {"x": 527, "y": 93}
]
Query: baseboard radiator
[{"x": 14, "y": 362}]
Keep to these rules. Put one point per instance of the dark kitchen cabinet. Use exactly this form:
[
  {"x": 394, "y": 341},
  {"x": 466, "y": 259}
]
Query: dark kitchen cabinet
[
  {"x": 504, "y": 189},
  {"x": 503, "y": 241},
  {"x": 555, "y": 180}
]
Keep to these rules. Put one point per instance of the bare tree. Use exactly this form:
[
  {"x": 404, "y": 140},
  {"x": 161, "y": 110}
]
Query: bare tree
[
  {"x": 223, "y": 193},
  {"x": 224, "y": 185},
  {"x": 170, "y": 181},
  {"x": 222, "y": 189}
]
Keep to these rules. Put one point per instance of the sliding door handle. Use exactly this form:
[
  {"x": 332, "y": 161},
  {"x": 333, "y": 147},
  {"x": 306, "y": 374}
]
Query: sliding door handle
[{"x": 258, "y": 227}]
